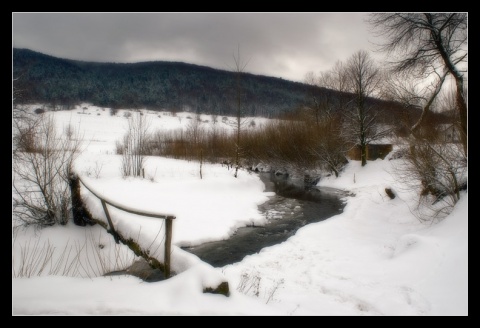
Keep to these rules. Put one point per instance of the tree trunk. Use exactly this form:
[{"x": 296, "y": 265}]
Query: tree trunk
[
  {"x": 462, "y": 110},
  {"x": 363, "y": 153},
  {"x": 460, "y": 97}
]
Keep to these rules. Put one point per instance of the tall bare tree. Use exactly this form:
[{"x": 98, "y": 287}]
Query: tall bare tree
[
  {"x": 425, "y": 43},
  {"x": 329, "y": 146},
  {"x": 239, "y": 68},
  {"x": 361, "y": 125},
  {"x": 432, "y": 164},
  {"x": 414, "y": 92},
  {"x": 335, "y": 79},
  {"x": 324, "y": 102}
]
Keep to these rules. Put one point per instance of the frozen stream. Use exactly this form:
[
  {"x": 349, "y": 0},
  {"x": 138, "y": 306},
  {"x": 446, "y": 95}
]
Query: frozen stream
[{"x": 292, "y": 207}]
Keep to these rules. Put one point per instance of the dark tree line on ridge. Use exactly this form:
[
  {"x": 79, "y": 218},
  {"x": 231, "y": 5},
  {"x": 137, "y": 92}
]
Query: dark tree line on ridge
[{"x": 159, "y": 85}]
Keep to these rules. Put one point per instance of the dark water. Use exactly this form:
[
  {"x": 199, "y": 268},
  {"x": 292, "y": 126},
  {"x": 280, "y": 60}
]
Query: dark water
[{"x": 292, "y": 207}]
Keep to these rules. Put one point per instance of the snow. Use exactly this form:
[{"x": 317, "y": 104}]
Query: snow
[
  {"x": 206, "y": 209},
  {"x": 375, "y": 258}
]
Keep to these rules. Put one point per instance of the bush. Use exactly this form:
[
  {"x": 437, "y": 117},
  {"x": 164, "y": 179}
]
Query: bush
[
  {"x": 438, "y": 171},
  {"x": 134, "y": 145},
  {"x": 296, "y": 145},
  {"x": 42, "y": 163}
]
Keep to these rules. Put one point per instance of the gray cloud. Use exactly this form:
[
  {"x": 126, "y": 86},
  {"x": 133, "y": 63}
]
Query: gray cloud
[{"x": 286, "y": 45}]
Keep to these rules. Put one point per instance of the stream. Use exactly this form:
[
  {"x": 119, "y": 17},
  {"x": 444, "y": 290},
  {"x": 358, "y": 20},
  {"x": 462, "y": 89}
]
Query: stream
[{"x": 292, "y": 207}]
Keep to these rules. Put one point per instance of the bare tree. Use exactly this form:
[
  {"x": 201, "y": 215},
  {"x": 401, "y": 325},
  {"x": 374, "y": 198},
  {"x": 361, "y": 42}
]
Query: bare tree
[
  {"x": 239, "y": 68},
  {"x": 335, "y": 79},
  {"x": 447, "y": 105},
  {"x": 213, "y": 137},
  {"x": 436, "y": 169},
  {"x": 19, "y": 113},
  {"x": 325, "y": 102},
  {"x": 433, "y": 164},
  {"x": 196, "y": 136},
  {"x": 414, "y": 93},
  {"x": 42, "y": 163},
  {"x": 195, "y": 133},
  {"x": 425, "y": 43},
  {"x": 135, "y": 145},
  {"x": 314, "y": 103},
  {"x": 329, "y": 145},
  {"x": 361, "y": 126}
]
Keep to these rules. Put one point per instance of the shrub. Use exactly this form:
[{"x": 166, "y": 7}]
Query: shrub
[
  {"x": 41, "y": 169},
  {"x": 134, "y": 145}
]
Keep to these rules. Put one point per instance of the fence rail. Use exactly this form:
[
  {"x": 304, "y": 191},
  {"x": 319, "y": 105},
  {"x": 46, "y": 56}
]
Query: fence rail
[{"x": 167, "y": 217}]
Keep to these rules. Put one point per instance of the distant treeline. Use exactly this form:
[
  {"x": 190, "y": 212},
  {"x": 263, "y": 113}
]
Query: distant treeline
[
  {"x": 158, "y": 85},
  {"x": 154, "y": 85}
]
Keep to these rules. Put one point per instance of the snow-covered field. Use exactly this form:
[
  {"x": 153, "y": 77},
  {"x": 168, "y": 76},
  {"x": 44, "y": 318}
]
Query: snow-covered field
[{"x": 375, "y": 258}]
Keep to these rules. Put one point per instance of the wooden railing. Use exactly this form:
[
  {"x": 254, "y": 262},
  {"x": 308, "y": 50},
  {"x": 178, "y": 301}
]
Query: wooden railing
[{"x": 167, "y": 217}]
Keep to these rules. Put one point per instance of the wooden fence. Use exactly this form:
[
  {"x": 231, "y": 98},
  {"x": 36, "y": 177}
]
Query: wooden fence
[{"x": 167, "y": 217}]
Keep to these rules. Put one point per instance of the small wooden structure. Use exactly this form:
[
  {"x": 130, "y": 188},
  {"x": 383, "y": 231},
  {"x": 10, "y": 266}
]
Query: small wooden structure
[{"x": 374, "y": 151}]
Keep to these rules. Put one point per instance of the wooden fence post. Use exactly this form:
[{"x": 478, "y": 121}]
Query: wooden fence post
[
  {"x": 81, "y": 216},
  {"x": 110, "y": 223},
  {"x": 168, "y": 244}
]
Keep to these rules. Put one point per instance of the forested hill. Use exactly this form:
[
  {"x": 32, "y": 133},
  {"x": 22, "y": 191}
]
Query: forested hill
[{"x": 155, "y": 85}]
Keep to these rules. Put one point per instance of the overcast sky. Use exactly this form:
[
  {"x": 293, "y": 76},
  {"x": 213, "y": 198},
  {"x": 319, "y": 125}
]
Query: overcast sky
[{"x": 286, "y": 45}]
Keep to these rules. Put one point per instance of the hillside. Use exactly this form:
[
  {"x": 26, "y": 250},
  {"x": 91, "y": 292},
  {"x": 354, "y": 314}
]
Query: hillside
[
  {"x": 162, "y": 85},
  {"x": 155, "y": 85}
]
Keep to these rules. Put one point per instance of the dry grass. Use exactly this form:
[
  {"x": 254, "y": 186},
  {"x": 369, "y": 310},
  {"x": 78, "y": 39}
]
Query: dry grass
[
  {"x": 87, "y": 259},
  {"x": 295, "y": 144}
]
